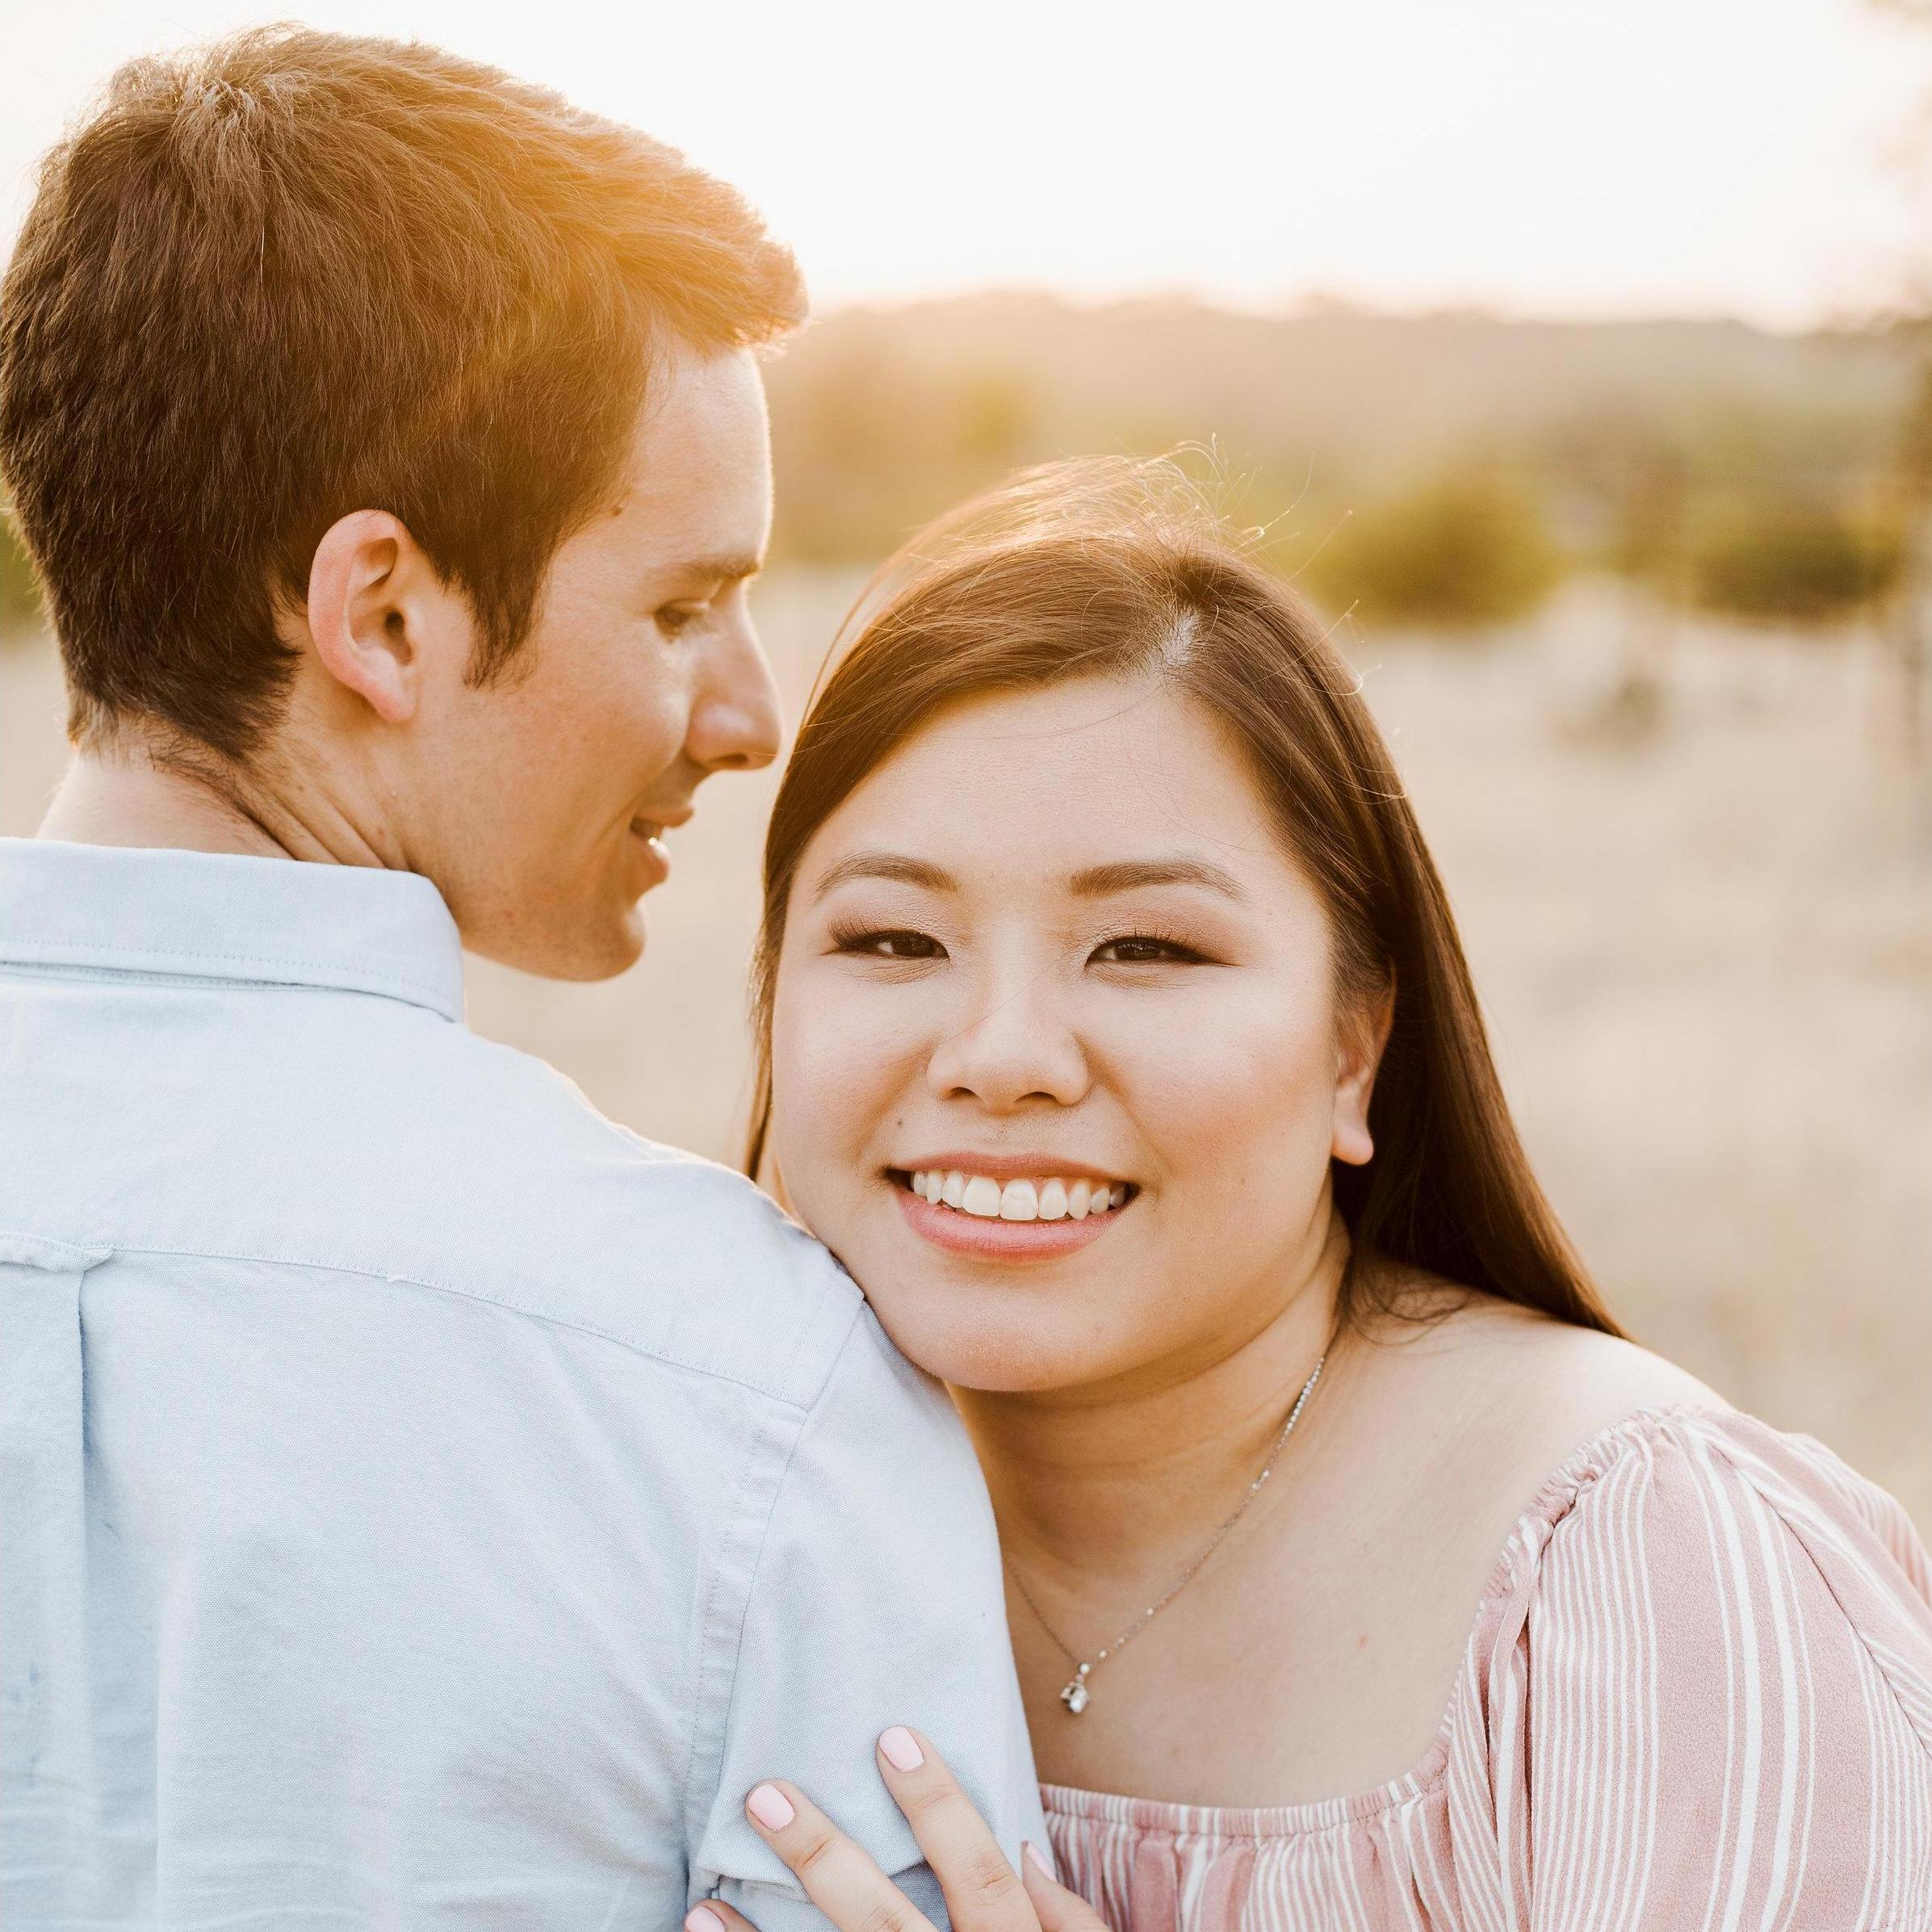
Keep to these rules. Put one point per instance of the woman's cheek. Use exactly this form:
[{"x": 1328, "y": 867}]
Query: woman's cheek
[
  {"x": 1229, "y": 1112},
  {"x": 1246, "y": 1065},
  {"x": 840, "y": 1061},
  {"x": 811, "y": 1102}
]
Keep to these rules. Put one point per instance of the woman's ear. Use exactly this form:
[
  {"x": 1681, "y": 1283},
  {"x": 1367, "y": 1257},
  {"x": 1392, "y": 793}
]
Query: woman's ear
[
  {"x": 1362, "y": 1036},
  {"x": 367, "y": 587}
]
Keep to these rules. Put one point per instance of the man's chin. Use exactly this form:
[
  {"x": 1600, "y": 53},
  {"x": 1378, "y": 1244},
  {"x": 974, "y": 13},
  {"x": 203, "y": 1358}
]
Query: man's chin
[{"x": 585, "y": 950}]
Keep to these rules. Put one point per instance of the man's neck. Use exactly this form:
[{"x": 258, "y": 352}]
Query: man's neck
[
  {"x": 1097, "y": 1491},
  {"x": 128, "y": 795}
]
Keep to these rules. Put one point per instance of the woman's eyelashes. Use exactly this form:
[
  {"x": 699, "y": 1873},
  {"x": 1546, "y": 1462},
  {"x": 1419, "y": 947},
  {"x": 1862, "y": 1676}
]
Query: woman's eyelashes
[
  {"x": 1148, "y": 949},
  {"x": 904, "y": 945},
  {"x": 895, "y": 943}
]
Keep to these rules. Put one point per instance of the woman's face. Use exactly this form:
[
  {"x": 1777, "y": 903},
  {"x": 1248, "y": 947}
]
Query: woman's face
[{"x": 1050, "y": 954}]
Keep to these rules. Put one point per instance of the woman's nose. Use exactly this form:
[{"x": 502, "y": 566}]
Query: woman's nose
[{"x": 1017, "y": 1049}]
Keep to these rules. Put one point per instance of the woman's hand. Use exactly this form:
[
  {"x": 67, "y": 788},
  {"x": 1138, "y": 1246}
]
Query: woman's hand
[{"x": 982, "y": 1893}]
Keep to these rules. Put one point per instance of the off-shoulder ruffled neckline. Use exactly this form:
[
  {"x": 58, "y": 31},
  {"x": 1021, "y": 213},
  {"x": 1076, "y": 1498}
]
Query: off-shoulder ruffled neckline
[{"x": 1553, "y": 1498}]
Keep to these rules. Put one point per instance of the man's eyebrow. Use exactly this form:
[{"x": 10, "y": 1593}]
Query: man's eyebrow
[
  {"x": 1128, "y": 875},
  {"x": 733, "y": 567},
  {"x": 892, "y": 865}
]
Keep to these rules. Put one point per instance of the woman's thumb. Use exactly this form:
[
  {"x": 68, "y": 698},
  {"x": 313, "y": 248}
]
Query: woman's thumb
[{"x": 1059, "y": 1910}]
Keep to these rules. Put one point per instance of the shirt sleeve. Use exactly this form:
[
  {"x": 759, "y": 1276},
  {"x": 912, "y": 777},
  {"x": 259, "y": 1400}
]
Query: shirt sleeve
[
  {"x": 877, "y": 1599},
  {"x": 1718, "y": 1708}
]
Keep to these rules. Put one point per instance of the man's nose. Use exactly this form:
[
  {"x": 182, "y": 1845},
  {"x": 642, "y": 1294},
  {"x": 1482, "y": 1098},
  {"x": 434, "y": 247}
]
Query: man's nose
[{"x": 735, "y": 721}]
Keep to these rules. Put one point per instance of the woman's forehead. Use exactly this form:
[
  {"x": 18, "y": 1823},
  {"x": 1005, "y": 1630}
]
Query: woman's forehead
[
  {"x": 1083, "y": 774},
  {"x": 1069, "y": 740}
]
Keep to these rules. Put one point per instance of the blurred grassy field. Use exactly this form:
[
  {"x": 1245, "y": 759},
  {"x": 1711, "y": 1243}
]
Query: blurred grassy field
[{"x": 1706, "y": 951}]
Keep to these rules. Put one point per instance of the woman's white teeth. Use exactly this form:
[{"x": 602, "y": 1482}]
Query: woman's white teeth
[
  {"x": 1019, "y": 1201},
  {"x": 982, "y": 1197},
  {"x": 1051, "y": 1200}
]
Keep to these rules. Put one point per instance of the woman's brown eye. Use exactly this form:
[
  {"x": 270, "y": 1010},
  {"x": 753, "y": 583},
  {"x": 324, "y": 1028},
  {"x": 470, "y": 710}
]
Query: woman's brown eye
[
  {"x": 1142, "y": 951},
  {"x": 887, "y": 945}
]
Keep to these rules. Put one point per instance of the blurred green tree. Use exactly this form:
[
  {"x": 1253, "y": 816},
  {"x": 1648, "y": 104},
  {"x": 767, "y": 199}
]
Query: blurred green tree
[
  {"x": 1793, "y": 562},
  {"x": 19, "y": 596},
  {"x": 871, "y": 441},
  {"x": 1467, "y": 550}
]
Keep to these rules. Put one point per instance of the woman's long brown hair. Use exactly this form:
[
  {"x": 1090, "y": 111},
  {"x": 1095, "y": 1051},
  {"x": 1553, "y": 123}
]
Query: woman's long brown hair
[{"x": 1117, "y": 568}]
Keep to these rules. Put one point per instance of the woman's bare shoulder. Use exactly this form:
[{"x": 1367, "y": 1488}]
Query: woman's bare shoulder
[
  {"x": 1517, "y": 1391},
  {"x": 1447, "y": 1421}
]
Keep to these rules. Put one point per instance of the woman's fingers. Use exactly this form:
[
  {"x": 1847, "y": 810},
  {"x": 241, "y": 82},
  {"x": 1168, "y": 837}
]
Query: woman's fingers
[
  {"x": 714, "y": 1915},
  {"x": 1057, "y": 1909},
  {"x": 982, "y": 1892},
  {"x": 839, "y": 1877}
]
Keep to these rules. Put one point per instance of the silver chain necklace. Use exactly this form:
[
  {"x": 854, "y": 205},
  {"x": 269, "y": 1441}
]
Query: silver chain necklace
[{"x": 1075, "y": 1694}]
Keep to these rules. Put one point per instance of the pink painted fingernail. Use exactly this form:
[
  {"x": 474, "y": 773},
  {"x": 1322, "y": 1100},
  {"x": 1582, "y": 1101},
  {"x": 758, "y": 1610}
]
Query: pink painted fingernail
[
  {"x": 771, "y": 1808},
  {"x": 1034, "y": 1857},
  {"x": 701, "y": 1918},
  {"x": 901, "y": 1749}
]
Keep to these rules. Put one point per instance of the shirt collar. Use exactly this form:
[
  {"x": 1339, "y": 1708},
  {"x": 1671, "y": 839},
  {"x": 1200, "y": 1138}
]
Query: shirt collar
[{"x": 219, "y": 916}]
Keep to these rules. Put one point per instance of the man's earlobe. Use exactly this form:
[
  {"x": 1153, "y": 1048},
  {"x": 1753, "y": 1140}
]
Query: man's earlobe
[{"x": 362, "y": 585}]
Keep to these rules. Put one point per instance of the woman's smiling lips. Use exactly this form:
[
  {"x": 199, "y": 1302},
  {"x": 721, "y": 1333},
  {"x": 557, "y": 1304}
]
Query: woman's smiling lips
[{"x": 1008, "y": 1207}]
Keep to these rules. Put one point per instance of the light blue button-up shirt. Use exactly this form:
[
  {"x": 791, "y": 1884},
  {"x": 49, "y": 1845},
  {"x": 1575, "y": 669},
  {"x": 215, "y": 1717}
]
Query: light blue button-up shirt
[{"x": 424, "y": 1501}]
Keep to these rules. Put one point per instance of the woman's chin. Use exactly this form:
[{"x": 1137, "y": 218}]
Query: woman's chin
[
  {"x": 1000, "y": 1325},
  {"x": 996, "y": 1351}
]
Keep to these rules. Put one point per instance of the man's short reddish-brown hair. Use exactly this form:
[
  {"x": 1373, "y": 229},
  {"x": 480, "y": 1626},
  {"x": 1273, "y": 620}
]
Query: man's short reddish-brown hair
[{"x": 297, "y": 274}]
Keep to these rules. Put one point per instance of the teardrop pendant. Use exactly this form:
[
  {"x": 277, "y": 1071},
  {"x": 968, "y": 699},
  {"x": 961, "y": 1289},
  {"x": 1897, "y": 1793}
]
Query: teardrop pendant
[{"x": 1075, "y": 1696}]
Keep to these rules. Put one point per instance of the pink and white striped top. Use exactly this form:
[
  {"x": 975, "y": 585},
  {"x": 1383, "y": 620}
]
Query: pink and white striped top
[{"x": 1698, "y": 1694}]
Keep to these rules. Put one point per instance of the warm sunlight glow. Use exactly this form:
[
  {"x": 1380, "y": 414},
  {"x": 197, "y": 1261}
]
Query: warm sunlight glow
[{"x": 1548, "y": 157}]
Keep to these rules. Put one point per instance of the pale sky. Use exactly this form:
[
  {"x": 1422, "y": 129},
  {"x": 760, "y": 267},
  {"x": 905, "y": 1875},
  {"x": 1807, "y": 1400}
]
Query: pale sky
[{"x": 1568, "y": 158}]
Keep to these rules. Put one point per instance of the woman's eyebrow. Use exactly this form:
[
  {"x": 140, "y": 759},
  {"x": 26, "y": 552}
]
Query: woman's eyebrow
[
  {"x": 1128, "y": 875},
  {"x": 887, "y": 865},
  {"x": 1094, "y": 881}
]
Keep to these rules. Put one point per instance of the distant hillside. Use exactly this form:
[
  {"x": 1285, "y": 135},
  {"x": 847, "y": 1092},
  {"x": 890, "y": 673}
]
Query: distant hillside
[{"x": 882, "y": 416}]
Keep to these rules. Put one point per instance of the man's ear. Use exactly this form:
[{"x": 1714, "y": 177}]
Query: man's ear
[
  {"x": 369, "y": 587},
  {"x": 1362, "y": 1035}
]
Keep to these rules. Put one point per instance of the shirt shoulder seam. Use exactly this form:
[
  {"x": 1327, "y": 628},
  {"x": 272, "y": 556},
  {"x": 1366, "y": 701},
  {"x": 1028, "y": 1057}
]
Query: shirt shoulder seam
[
  {"x": 76, "y": 953},
  {"x": 649, "y": 1351}
]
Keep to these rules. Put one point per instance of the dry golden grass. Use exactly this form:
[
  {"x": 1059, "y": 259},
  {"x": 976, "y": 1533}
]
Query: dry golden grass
[{"x": 1706, "y": 957}]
